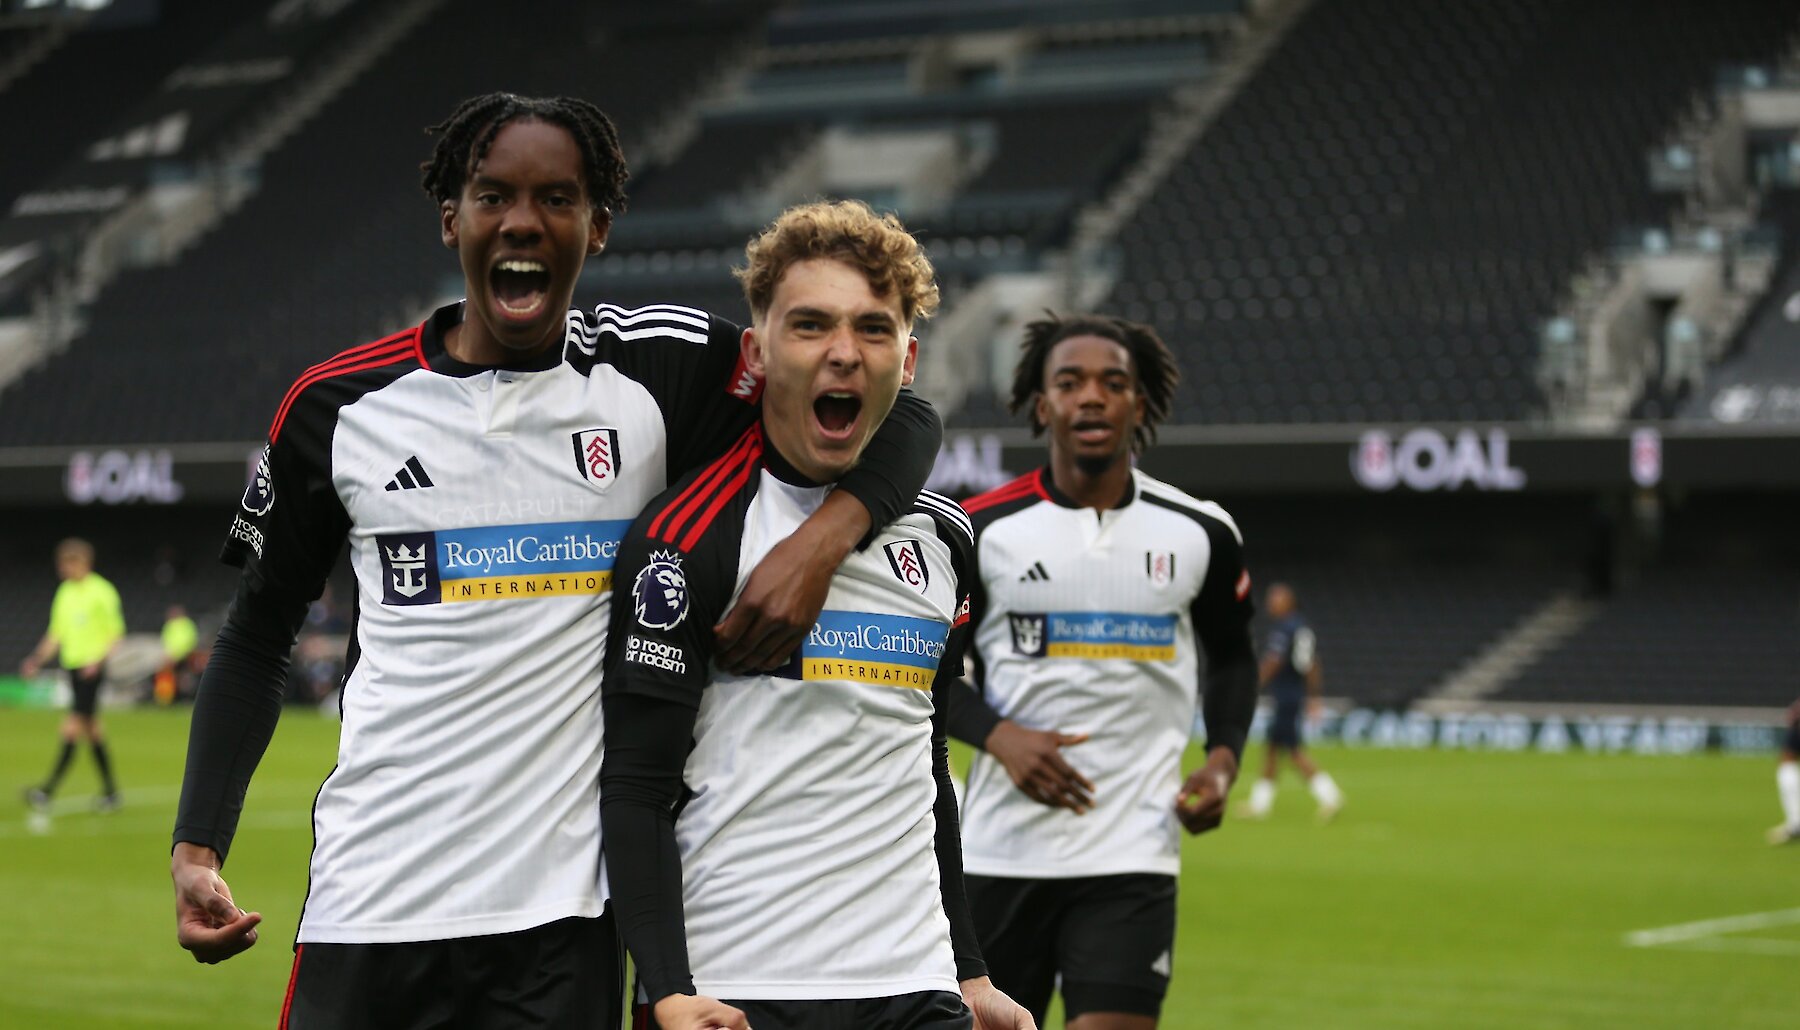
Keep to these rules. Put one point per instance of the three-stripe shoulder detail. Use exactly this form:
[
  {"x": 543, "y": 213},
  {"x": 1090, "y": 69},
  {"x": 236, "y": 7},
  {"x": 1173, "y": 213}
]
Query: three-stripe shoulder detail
[
  {"x": 652, "y": 321},
  {"x": 1028, "y": 486},
  {"x": 946, "y": 511},
  {"x": 686, "y": 518},
  {"x": 389, "y": 350}
]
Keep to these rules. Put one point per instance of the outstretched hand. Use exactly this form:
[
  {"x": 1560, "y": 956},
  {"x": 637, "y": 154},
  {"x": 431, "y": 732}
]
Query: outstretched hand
[
  {"x": 1201, "y": 804},
  {"x": 1034, "y": 760},
  {"x": 207, "y": 922}
]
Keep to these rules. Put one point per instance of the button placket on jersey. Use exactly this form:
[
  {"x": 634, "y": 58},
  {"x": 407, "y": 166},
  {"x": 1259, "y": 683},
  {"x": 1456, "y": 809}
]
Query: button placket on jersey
[{"x": 503, "y": 408}]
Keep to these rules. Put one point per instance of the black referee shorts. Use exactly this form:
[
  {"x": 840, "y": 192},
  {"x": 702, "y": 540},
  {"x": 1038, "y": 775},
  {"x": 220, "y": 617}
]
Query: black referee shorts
[
  {"x": 1112, "y": 938},
  {"x": 1793, "y": 739},
  {"x": 566, "y": 975},
  {"x": 926, "y": 1010},
  {"x": 86, "y": 690}
]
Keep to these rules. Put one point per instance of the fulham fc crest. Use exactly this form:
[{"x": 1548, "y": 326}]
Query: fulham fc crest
[
  {"x": 908, "y": 562},
  {"x": 597, "y": 455},
  {"x": 1160, "y": 567}
]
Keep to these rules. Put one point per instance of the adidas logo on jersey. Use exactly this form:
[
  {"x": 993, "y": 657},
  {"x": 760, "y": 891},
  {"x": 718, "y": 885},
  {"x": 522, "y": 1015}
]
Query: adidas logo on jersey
[
  {"x": 410, "y": 477},
  {"x": 1035, "y": 573}
]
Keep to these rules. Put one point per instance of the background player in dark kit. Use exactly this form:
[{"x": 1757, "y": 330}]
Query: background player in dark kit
[
  {"x": 480, "y": 466},
  {"x": 1098, "y": 585},
  {"x": 1293, "y": 674},
  {"x": 771, "y": 837}
]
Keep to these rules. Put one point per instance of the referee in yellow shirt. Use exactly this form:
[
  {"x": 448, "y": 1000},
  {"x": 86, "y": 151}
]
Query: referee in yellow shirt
[{"x": 86, "y": 625}]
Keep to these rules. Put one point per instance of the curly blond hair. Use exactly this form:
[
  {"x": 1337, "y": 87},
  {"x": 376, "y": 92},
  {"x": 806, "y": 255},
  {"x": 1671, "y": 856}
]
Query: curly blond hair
[{"x": 848, "y": 231}]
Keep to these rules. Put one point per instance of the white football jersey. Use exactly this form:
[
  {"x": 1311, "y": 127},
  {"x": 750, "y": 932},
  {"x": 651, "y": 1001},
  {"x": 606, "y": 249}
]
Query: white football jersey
[
  {"x": 1085, "y": 623},
  {"x": 807, "y": 840},
  {"x": 483, "y": 510}
]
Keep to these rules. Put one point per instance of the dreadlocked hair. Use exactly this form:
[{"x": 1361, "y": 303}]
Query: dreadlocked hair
[
  {"x": 465, "y": 136},
  {"x": 1151, "y": 361}
]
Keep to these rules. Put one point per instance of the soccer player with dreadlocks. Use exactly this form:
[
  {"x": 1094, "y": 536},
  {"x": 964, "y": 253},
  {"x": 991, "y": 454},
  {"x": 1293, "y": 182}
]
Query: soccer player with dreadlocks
[
  {"x": 1098, "y": 586},
  {"x": 482, "y": 468}
]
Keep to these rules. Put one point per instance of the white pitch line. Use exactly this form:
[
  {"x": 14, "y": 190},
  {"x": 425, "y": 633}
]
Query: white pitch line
[
  {"x": 1750, "y": 945},
  {"x": 1711, "y": 928}
]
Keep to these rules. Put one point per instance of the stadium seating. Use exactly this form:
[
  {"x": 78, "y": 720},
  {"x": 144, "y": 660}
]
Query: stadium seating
[
  {"x": 1404, "y": 591},
  {"x": 58, "y": 104},
  {"x": 1377, "y": 223},
  {"x": 1759, "y": 380},
  {"x": 338, "y": 246},
  {"x": 1709, "y": 619}
]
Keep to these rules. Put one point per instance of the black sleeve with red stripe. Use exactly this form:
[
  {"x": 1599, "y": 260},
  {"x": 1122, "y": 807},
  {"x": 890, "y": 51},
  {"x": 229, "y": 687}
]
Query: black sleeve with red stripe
[
  {"x": 686, "y": 542},
  {"x": 677, "y": 568},
  {"x": 291, "y": 525},
  {"x": 287, "y": 533}
]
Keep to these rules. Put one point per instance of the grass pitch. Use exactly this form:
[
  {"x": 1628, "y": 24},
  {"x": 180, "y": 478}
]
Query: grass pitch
[{"x": 1456, "y": 890}]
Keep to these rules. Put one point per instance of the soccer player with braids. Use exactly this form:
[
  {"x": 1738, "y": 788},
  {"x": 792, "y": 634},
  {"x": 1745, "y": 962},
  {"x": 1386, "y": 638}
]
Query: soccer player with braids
[
  {"x": 1097, "y": 590},
  {"x": 482, "y": 468}
]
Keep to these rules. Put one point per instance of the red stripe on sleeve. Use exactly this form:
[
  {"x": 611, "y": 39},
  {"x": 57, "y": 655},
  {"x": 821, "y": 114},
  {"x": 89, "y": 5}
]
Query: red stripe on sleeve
[
  {"x": 685, "y": 503},
  {"x": 723, "y": 497},
  {"x": 1024, "y": 486},
  {"x": 287, "y": 1003},
  {"x": 331, "y": 370}
]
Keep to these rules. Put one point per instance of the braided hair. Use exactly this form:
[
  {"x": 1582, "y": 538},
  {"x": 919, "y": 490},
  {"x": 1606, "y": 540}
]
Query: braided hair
[
  {"x": 465, "y": 136},
  {"x": 1151, "y": 361}
]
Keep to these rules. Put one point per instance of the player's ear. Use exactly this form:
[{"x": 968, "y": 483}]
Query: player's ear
[
  {"x": 598, "y": 228},
  {"x": 1040, "y": 411},
  {"x": 912, "y": 360},
  {"x": 750, "y": 345},
  {"x": 447, "y": 222}
]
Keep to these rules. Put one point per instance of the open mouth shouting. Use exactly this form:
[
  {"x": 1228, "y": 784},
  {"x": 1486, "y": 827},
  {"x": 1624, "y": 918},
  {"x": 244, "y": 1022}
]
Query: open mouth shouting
[
  {"x": 521, "y": 288},
  {"x": 836, "y": 413}
]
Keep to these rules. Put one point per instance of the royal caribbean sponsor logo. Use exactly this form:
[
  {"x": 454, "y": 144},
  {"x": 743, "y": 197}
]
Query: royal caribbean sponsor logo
[
  {"x": 1134, "y": 636},
  {"x": 888, "y": 650},
  {"x": 492, "y": 563}
]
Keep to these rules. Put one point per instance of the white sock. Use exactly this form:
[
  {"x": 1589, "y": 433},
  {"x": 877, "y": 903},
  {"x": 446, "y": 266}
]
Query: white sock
[
  {"x": 1787, "y": 783},
  {"x": 1325, "y": 790},
  {"x": 1262, "y": 797}
]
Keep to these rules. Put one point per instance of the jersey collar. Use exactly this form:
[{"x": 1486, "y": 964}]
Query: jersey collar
[
  {"x": 431, "y": 344},
  {"x": 780, "y": 467},
  {"x": 1047, "y": 484}
]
